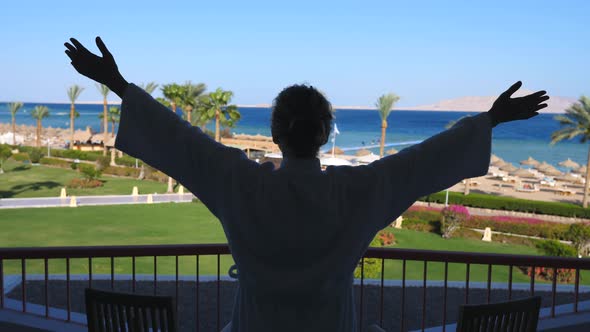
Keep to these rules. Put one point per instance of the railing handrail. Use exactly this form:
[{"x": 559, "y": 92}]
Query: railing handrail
[{"x": 223, "y": 249}]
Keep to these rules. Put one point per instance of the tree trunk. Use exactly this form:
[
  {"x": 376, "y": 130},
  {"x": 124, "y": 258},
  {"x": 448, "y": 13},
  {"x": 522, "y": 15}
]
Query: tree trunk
[
  {"x": 383, "y": 129},
  {"x": 585, "y": 200},
  {"x": 170, "y": 185},
  {"x": 170, "y": 180},
  {"x": 113, "y": 128},
  {"x": 189, "y": 115},
  {"x": 13, "y": 130},
  {"x": 72, "y": 112},
  {"x": 466, "y": 189},
  {"x": 38, "y": 133},
  {"x": 217, "y": 134},
  {"x": 105, "y": 123}
]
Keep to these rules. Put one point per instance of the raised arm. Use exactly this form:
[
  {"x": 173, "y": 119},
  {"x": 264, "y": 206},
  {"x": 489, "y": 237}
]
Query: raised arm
[
  {"x": 152, "y": 133},
  {"x": 441, "y": 161}
]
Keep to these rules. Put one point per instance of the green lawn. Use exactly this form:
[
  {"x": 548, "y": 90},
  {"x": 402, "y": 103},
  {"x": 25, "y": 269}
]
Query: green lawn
[
  {"x": 22, "y": 180},
  {"x": 193, "y": 223}
]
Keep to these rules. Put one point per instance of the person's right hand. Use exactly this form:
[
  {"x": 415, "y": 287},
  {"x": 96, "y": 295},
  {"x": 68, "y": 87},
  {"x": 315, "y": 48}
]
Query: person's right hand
[
  {"x": 100, "y": 69},
  {"x": 507, "y": 109}
]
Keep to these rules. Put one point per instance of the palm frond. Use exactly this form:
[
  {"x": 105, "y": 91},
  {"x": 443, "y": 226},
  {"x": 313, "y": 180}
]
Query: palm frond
[
  {"x": 74, "y": 92},
  {"x": 14, "y": 107},
  {"x": 103, "y": 89},
  {"x": 385, "y": 103},
  {"x": 40, "y": 112},
  {"x": 575, "y": 122},
  {"x": 149, "y": 87}
]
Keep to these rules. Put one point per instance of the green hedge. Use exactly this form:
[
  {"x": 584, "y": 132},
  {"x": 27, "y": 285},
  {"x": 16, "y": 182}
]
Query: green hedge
[
  {"x": 76, "y": 154},
  {"x": 122, "y": 171},
  {"x": 511, "y": 204},
  {"x": 21, "y": 156},
  {"x": 55, "y": 162}
]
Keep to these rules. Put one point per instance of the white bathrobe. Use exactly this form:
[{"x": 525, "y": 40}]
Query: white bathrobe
[{"x": 296, "y": 233}]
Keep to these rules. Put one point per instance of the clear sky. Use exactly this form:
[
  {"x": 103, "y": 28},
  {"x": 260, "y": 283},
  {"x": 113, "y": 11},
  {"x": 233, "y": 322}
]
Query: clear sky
[{"x": 353, "y": 51}]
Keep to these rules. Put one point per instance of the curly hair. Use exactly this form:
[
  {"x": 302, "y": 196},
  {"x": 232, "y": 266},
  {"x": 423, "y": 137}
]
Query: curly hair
[{"x": 301, "y": 120}]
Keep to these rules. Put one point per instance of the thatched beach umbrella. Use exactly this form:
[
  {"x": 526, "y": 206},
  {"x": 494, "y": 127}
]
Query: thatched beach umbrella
[
  {"x": 551, "y": 171},
  {"x": 523, "y": 173},
  {"x": 494, "y": 158},
  {"x": 391, "y": 151},
  {"x": 569, "y": 163},
  {"x": 529, "y": 162},
  {"x": 498, "y": 163},
  {"x": 367, "y": 159},
  {"x": 336, "y": 149},
  {"x": 543, "y": 166},
  {"x": 508, "y": 168},
  {"x": 362, "y": 152},
  {"x": 581, "y": 170},
  {"x": 334, "y": 162},
  {"x": 568, "y": 177}
]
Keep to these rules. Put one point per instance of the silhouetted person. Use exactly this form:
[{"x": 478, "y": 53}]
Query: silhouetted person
[{"x": 297, "y": 233}]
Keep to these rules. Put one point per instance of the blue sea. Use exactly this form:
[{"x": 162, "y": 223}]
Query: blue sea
[{"x": 513, "y": 141}]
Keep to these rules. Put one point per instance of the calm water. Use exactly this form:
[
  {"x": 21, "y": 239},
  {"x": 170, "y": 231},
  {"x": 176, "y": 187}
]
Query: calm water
[{"x": 513, "y": 142}]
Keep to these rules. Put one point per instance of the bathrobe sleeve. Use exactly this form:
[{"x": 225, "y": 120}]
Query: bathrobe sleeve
[
  {"x": 437, "y": 163},
  {"x": 151, "y": 132}
]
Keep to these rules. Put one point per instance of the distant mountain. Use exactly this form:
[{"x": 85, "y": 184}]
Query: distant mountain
[{"x": 479, "y": 104}]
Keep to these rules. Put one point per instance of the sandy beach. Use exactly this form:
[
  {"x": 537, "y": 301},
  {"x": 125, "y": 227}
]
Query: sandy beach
[{"x": 26, "y": 135}]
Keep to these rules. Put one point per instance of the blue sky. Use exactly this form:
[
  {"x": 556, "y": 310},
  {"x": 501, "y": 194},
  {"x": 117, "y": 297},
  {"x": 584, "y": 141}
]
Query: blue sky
[{"x": 354, "y": 51}]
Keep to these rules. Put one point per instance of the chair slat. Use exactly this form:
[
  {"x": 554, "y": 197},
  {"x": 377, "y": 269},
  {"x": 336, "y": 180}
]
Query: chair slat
[
  {"x": 129, "y": 312},
  {"x": 518, "y": 316}
]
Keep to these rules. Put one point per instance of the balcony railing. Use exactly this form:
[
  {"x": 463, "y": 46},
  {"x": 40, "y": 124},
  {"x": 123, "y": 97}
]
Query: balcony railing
[{"x": 18, "y": 266}]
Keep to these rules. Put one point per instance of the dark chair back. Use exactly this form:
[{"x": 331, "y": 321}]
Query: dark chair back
[
  {"x": 120, "y": 312},
  {"x": 515, "y": 316}
]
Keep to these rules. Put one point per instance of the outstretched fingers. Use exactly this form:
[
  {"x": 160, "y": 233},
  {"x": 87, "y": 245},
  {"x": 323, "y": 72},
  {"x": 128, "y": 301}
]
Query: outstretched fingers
[
  {"x": 103, "y": 49},
  {"x": 511, "y": 90},
  {"x": 79, "y": 46}
]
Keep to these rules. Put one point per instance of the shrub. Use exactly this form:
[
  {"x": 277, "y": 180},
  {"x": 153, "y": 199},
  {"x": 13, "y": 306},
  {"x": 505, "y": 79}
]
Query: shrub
[
  {"x": 452, "y": 217},
  {"x": 511, "y": 204},
  {"x": 372, "y": 266},
  {"x": 128, "y": 161},
  {"x": 386, "y": 238},
  {"x": 546, "y": 274},
  {"x": 122, "y": 171},
  {"x": 89, "y": 172},
  {"x": 579, "y": 234},
  {"x": 103, "y": 162},
  {"x": 35, "y": 156},
  {"x": 21, "y": 156},
  {"x": 555, "y": 248},
  {"x": 74, "y": 166},
  {"x": 84, "y": 183}
]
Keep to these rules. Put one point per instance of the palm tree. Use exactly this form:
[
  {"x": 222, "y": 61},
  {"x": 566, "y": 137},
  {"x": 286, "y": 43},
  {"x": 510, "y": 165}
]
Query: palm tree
[
  {"x": 14, "y": 107},
  {"x": 39, "y": 113},
  {"x": 188, "y": 98},
  {"x": 73, "y": 93},
  {"x": 113, "y": 116},
  {"x": 215, "y": 106},
  {"x": 449, "y": 125},
  {"x": 576, "y": 122},
  {"x": 104, "y": 91},
  {"x": 149, "y": 87},
  {"x": 172, "y": 92},
  {"x": 384, "y": 106}
]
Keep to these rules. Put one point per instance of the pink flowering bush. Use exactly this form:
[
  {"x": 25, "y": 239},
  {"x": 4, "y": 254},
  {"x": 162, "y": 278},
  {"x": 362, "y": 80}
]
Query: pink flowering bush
[{"x": 452, "y": 217}]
